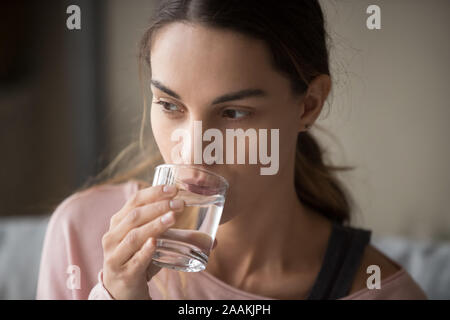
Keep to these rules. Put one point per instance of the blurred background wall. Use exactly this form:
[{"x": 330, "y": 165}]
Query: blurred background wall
[
  {"x": 51, "y": 129},
  {"x": 70, "y": 101},
  {"x": 390, "y": 113}
]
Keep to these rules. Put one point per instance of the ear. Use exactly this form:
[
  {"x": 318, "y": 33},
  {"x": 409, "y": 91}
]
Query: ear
[{"x": 313, "y": 100}]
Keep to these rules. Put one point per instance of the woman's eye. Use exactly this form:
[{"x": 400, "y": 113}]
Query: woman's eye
[
  {"x": 235, "y": 114},
  {"x": 167, "y": 107}
]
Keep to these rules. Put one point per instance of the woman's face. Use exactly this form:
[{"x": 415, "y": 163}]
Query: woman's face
[{"x": 199, "y": 64}]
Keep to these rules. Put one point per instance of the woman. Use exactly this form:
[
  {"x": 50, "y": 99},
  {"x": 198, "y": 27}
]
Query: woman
[{"x": 230, "y": 64}]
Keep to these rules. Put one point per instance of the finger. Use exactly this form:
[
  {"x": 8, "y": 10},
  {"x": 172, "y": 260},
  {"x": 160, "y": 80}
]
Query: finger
[
  {"x": 137, "y": 236},
  {"x": 152, "y": 270},
  {"x": 142, "y": 215},
  {"x": 141, "y": 260},
  {"x": 215, "y": 243},
  {"x": 142, "y": 197},
  {"x": 151, "y": 194}
]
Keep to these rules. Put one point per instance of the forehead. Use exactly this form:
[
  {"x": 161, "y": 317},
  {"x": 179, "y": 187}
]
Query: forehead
[{"x": 187, "y": 56}]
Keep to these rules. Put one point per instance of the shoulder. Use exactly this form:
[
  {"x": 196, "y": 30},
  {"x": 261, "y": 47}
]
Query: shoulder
[
  {"x": 373, "y": 257},
  {"x": 92, "y": 205},
  {"x": 395, "y": 280}
]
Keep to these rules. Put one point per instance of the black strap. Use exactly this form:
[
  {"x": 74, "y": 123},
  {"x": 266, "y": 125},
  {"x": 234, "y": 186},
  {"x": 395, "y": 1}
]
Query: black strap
[{"x": 341, "y": 262}]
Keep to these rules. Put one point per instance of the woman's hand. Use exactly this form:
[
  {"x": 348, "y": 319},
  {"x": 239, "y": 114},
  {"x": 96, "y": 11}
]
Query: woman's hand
[{"x": 129, "y": 244}]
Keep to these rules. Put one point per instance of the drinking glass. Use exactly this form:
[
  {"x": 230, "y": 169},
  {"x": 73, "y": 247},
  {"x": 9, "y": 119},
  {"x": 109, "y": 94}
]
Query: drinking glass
[{"x": 186, "y": 245}]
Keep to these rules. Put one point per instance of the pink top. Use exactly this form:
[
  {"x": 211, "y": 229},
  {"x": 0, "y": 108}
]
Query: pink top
[{"x": 72, "y": 258}]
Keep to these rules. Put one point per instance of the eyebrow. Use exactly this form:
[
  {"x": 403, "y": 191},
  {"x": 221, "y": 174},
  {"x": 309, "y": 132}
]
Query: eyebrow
[{"x": 241, "y": 94}]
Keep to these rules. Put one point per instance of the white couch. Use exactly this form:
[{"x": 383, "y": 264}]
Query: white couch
[{"x": 21, "y": 242}]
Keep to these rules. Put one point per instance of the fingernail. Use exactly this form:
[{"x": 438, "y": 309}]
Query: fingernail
[
  {"x": 149, "y": 243},
  {"x": 168, "y": 218},
  {"x": 169, "y": 188},
  {"x": 176, "y": 203}
]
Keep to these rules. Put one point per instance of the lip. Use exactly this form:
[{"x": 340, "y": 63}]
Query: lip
[
  {"x": 198, "y": 189},
  {"x": 198, "y": 183},
  {"x": 201, "y": 182}
]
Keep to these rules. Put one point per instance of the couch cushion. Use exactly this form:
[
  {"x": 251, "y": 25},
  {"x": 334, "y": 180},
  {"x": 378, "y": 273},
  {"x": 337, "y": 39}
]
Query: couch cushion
[
  {"x": 428, "y": 262},
  {"x": 21, "y": 241}
]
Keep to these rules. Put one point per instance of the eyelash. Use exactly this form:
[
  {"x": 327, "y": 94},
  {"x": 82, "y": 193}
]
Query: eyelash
[{"x": 164, "y": 104}]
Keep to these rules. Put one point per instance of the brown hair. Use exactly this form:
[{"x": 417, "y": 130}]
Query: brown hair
[{"x": 295, "y": 34}]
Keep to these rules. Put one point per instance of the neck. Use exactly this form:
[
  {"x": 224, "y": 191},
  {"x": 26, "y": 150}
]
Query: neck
[{"x": 268, "y": 239}]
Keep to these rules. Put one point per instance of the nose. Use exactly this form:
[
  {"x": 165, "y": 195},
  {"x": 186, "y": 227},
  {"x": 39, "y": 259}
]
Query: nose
[
  {"x": 192, "y": 148},
  {"x": 188, "y": 148},
  {"x": 190, "y": 151}
]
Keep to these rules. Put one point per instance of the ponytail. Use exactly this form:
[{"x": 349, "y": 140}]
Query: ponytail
[{"x": 315, "y": 182}]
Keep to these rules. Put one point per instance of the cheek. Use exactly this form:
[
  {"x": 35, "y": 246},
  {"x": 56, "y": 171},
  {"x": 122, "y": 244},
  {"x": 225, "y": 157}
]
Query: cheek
[
  {"x": 287, "y": 144},
  {"x": 288, "y": 139},
  {"x": 162, "y": 130}
]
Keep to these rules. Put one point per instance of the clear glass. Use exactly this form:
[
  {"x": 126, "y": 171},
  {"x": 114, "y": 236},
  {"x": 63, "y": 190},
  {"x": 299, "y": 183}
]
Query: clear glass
[{"x": 186, "y": 245}]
